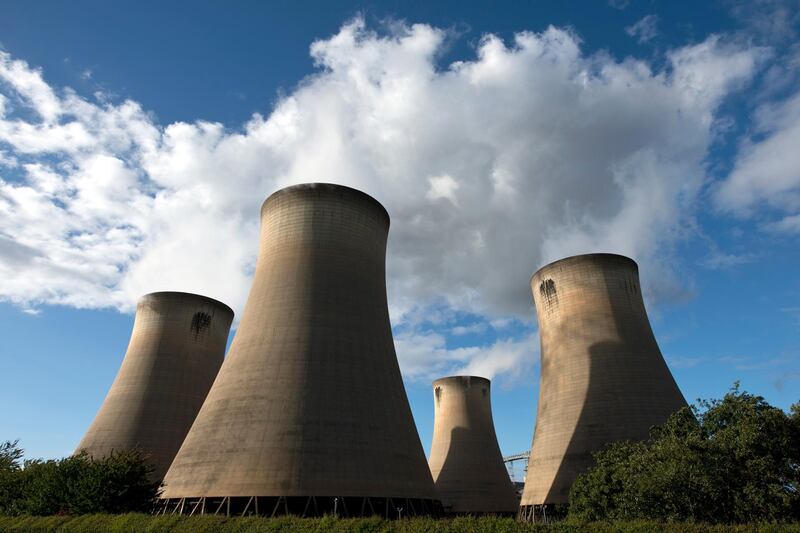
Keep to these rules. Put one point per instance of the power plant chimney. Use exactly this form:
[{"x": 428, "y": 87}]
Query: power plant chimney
[
  {"x": 309, "y": 414},
  {"x": 603, "y": 377},
  {"x": 176, "y": 348},
  {"x": 466, "y": 462}
]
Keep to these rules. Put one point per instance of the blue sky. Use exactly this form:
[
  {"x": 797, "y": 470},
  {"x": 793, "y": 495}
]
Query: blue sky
[{"x": 138, "y": 140}]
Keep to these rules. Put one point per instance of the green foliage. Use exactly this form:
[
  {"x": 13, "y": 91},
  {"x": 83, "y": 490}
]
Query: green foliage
[
  {"x": 118, "y": 483},
  {"x": 140, "y": 523},
  {"x": 729, "y": 461},
  {"x": 10, "y": 466},
  {"x": 733, "y": 460}
]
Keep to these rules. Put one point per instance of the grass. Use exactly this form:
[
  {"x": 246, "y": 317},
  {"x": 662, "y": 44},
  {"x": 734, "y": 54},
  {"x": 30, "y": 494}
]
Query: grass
[{"x": 141, "y": 523}]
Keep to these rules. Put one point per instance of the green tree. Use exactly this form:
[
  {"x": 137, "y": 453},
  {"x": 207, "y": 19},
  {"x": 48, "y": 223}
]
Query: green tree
[
  {"x": 121, "y": 483},
  {"x": 78, "y": 484},
  {"x": 10, "y": 468},
  {"x": 731, "y": 460}
]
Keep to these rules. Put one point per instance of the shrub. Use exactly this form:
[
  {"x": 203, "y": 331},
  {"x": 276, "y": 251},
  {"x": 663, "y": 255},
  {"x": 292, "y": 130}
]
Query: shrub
[
  {"x": 733, "y": 460},
  {"x": 118, "y": 483},
  {"x": 10, "y": 467}
]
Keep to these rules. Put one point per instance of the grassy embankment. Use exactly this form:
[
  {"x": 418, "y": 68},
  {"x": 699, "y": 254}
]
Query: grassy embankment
[{"x": 198, "y": 524}]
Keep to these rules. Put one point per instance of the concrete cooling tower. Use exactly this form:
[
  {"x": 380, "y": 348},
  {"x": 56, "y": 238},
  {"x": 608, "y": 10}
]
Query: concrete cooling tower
[
  {"x": 309, "y": 414},
  {"x": 603, "y": 377},
  {"x": 176, "y": 348},
  {"x": 466, "y": 462}
]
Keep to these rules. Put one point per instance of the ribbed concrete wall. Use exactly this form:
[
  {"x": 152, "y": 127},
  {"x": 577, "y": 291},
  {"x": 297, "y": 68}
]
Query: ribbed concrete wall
[
  {"x": 176, "y": 348},
  {"x": 465, "y": 461},
  {"x": 309, "y": 401},
  {"x": 603, "y": 378}
]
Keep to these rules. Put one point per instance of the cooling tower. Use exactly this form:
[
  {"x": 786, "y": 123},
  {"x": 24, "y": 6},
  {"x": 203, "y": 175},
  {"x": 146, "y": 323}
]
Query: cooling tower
[
  {"x": 176, "y": 348},
  {"x": 466, "y": 463},
  {"x": 309, "y": 414},
  {"x": 603, "y": 377}
]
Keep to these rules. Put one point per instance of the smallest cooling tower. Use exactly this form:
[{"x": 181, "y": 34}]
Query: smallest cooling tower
[
  {"x": 466, "y": 462},
  {"x": 176, "y": 348}
]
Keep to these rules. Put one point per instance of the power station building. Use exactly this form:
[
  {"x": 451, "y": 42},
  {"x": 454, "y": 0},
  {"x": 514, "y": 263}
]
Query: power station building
[
  {"x": 175, "y": 351},
  {"x": 603, "y": 378},
  {"x": 308, "y": 414},
  {"x": 465, "y": 461}
]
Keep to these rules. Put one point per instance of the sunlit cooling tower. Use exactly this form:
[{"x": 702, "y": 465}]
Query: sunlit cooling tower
[
  {"x": 603, "y": 377},
  {"x": 466, "y": 462},
  {"x": 176, "y": 348},
  {"x": 309, "y": 414}
]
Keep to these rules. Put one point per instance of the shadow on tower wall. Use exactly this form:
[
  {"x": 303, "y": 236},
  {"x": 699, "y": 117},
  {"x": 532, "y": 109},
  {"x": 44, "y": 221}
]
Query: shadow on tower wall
[
  {"x": 630, "y": 387},
  {"x": 479, "y": 487}
]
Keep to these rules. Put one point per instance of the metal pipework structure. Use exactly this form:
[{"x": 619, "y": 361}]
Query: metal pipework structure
[
  {"x": 603, "y": 378},
  {"x": 309, "y": 414},
  {"x": 176, "y": 349},
  {"x": 465, "y": 461}
]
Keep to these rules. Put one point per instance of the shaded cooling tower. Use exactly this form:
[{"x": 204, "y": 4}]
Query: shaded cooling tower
[
  {"x": 309, "y": 414},
  {"x": 466, "y": 463},
  {"x": 176, "y": 348},
  {"x": 603, "y": 377}
]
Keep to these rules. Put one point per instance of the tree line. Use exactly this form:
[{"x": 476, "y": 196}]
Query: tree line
[
  {"x": 76, "y": 485},
  {"x": 734, "y": 460},
  {"x": 727, "y": 461}
]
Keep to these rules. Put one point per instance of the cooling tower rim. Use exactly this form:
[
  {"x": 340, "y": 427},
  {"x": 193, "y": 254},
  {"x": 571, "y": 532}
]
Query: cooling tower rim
[
  {"x": 170, "y": 294},
  {"x": 461, "y": 379},
  {"x": 584, "y": 257},
  {"x": 330, "y": 187}
]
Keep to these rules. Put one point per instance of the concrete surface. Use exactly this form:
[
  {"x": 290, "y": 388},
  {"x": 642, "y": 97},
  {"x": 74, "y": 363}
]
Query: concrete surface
[
  {"x": 309, "y": 401},
  {"x": 176, "y": 348},
  {"x": 466, "y": 462},
  {"x": 603, "y": 378}
]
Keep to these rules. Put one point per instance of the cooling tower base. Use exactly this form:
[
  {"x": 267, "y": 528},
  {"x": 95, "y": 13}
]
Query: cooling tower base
[
  {"x": 506, "y": 514},
  {"x": 541, "y": 514},
  {"x": 304, "y": 506}
]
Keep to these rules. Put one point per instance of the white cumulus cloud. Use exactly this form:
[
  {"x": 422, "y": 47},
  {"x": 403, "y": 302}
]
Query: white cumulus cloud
[
  {"x": 645, "y": 29},
  {"x": 767, "y": 168},
  {"x": 489, "y": 167}
]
